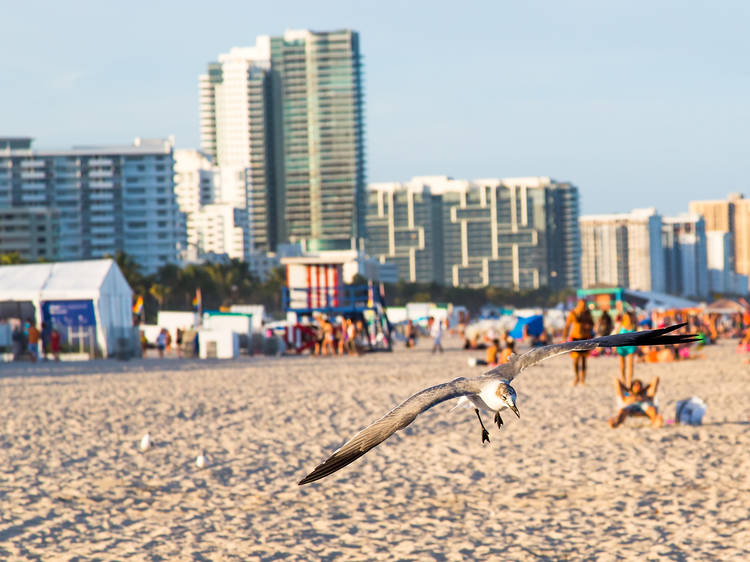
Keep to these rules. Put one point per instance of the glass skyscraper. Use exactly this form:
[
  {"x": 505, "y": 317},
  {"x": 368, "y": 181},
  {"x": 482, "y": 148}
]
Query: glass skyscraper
[{"x": 297, "y": 121}]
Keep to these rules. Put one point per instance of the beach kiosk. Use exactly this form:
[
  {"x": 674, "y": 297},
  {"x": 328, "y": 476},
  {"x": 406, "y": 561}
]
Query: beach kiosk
[
  {"x": 89, "y": 302},
  {"x": 315, "y": 286}
]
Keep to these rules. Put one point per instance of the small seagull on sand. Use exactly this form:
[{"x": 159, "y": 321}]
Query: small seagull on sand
[
  {"x": 490, "y": 392},
  {"x": 145, "y": 443},
  {"x": 202, "y": 460}
]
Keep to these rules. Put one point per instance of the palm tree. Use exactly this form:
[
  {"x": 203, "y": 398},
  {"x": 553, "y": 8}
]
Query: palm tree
[
  {"x": 11, "y": 259},
  {"x": 131, "y": 270}
]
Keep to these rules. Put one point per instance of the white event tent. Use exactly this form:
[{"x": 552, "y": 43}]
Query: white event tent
[{"x": 77, "y": 293}]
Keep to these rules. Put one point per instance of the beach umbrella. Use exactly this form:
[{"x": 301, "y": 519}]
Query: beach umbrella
[
  {"x": 724, "y": 306},
  {"x": 534, "y": 326}
]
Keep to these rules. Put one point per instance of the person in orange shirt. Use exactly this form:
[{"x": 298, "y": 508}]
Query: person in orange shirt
[
  {"x": 33, "y": 341},
  {"x": 510, "y": 346},
  {"x": 579, "y": 326},
  {"x": 492, "y": 352}
]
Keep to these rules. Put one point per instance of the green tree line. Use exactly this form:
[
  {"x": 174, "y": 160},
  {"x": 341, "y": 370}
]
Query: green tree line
[{"x": 223, "y": 284}]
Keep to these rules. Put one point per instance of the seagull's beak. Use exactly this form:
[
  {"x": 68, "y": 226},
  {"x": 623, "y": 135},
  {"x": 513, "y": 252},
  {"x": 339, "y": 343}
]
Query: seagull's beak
[{"x": 515, "y": 410}]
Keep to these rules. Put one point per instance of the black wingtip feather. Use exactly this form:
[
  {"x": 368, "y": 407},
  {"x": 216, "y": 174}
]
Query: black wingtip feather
[
  {"x": 329, "y": 467},
  {"x": 661, "y": 336}
]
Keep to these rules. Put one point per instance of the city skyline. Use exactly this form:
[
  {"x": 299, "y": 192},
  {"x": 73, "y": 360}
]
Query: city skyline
[{"x": 647, "y": 103}]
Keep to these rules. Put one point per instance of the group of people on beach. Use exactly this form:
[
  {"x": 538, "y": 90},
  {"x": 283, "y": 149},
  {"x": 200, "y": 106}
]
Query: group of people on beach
[
  {"x": 184, "y": 344},
  {"x": 340, "y": 336},
  {"x": 31, "y": 343},
  {"x": 635, "y": 397}
]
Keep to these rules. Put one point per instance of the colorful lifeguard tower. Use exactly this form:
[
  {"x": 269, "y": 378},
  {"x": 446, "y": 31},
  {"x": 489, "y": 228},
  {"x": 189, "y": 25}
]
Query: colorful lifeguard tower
[{"x": 316, "y": 286}]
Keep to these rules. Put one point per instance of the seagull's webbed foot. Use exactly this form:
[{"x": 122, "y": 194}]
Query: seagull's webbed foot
[
  {"x": 485, "y": 434},
  {"x": 498, "y": 420}
]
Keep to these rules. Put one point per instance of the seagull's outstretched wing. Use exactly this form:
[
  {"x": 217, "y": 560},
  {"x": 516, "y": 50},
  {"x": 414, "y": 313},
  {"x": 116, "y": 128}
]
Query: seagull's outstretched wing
[
  {"x": 648, "y": 337},
  {"x": 398, "y": 418}
]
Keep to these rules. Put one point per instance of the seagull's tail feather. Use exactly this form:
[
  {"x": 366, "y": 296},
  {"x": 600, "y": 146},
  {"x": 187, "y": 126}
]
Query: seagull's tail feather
[{"x": 650, "y": 337}]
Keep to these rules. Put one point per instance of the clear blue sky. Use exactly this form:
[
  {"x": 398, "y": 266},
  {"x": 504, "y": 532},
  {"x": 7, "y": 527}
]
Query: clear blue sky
[{"x": 637, "y": 103}]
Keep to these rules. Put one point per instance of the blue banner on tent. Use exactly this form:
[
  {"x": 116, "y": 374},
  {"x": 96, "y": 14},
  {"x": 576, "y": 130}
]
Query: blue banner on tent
[{"x": 69, "y": 313}]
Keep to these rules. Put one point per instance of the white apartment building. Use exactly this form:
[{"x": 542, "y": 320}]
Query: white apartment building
[
  {"x": 109, "y": 199},
  {"x": 195, "y": 182},
  {"x": 234, "y": 113},
  {"x": 225, "y": 109},
  {"x": 719, "y": 249},
  {"x": 220, "y": 230},
  {"x": 684, "y": 242},
  {"x": 623, "y": 249},
  {"x": 722, "y": 278},
  {"x": 205, "y": 194}
]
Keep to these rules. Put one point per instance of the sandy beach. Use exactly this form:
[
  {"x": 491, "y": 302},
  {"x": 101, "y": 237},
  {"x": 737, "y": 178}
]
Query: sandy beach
[{"x": 556, "y": 484}]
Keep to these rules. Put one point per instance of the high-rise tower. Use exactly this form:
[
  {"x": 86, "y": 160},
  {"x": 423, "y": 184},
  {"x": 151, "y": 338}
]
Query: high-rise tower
[
  {"x": 235, "y": 106},
  {"x": 290, "y": 110},
  {"x": 322, "y": 133}
]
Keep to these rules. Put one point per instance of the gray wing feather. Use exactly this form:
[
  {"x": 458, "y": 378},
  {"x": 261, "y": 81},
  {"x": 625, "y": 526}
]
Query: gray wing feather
[
  {"x": 517, "y": 364},
  {"x": 398, "y": 418},
  {"x": 508, "y": 371}
]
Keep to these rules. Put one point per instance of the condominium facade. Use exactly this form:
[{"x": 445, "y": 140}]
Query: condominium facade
[
  {"x": 322, "y": 118},
  {"x": 685, "y": 255},
  {"x": 220, "y": 232},
  {"x": 195, "y": 182},
  {"x": 290, "y": 110},
  {"x": 519, "y": 233},
  {"x": 235, "y": 106},
  {"x": 31, "y": 232},
  {"x": 722, "y": 277},
  {"x": 109, "y": 199},
  {"x": 731, "y": 216},
  {"x": 623, "y": 250}
]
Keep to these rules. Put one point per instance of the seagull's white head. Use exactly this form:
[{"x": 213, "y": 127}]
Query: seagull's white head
[{"x": 508, "y": 395}]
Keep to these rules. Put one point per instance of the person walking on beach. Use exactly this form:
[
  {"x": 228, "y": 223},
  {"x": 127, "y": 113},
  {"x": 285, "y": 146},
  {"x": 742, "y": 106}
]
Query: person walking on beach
[
  {"x": 33, "y": 341},
  {"x": 161, "y": 342},
  {"x": 54, "y": 343},
  {"x": 411, "y": 334},
  {"x": 626, "y": 354},
  {"x": 579, "y": 326},
  {"x": 18, "y": 338},
  {"x": 45, "y": 340},
  {"x": 436, "y": 331},
  {"x": 328, "y": 338},
  {"x": 180, "y": 333}
]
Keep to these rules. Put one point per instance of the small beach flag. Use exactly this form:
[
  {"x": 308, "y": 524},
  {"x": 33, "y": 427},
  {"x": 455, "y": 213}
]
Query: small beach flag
[
  {"x": 138, "y": 306},
  {"x": 197, "y": 301}
]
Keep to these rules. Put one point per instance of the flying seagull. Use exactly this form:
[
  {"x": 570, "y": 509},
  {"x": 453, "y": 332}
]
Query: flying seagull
[{"x": 491, "y": 392}]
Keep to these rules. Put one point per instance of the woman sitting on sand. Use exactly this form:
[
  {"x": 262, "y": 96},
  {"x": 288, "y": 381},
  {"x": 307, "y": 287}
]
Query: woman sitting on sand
[{"x": 637, "y": 400}]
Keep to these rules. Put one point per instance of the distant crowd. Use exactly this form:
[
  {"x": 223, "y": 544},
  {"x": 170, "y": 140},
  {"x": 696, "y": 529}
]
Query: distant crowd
[
  {"x": 31, "y": 343},
  {"x": 338, "y": 336}
]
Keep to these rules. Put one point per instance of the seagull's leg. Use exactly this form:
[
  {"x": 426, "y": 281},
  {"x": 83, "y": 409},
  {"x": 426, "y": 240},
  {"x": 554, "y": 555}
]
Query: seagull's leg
[
  {"x": 498, "y": 419},
  {"x": 485, "y": 435}
]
